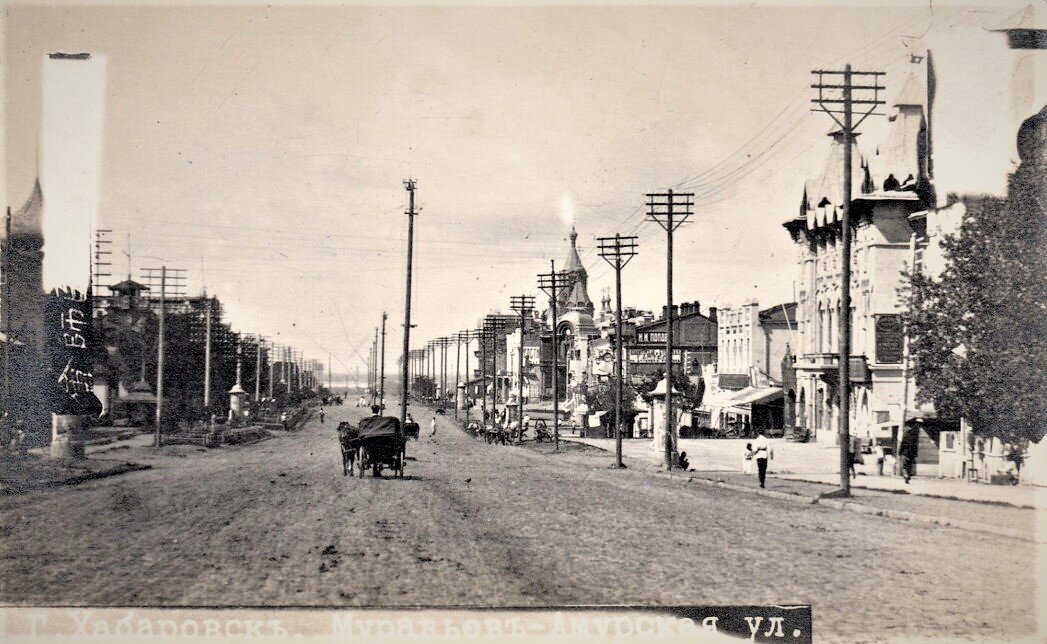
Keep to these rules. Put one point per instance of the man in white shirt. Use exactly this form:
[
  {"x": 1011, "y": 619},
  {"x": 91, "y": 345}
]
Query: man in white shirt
[{"x": 762, "y": 452}]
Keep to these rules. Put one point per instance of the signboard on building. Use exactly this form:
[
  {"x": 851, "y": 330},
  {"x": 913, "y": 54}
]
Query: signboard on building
[
  {"x": 890, "y": 342},
  {"x": 653, "y": 356},
  {"x": 652, "y": 336},
  {"x": 733, "y": 380}
]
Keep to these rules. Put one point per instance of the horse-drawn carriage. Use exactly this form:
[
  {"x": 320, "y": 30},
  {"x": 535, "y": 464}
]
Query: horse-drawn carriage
[{"x": 378, "y": 443}]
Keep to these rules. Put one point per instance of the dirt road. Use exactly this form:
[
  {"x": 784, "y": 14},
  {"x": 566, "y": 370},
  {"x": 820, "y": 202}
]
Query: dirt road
[{"x": 276, "y": 523}]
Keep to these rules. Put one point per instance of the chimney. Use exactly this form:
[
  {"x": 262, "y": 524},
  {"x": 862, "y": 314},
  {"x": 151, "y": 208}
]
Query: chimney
[
  {"x": 712, "y": 313},
  {"x": 665, "y": 313}
]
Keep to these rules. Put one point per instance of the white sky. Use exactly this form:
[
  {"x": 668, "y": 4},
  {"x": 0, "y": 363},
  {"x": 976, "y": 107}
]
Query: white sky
[{"x": 263, "y": 149}]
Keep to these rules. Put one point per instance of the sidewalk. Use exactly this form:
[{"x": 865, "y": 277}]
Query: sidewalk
[
  {"x": 820, "y": 464},
  {"x": 930, "y": 501}
]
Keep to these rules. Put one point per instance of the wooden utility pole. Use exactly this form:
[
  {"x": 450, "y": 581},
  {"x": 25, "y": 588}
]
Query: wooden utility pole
[
  {"x": 457, "y": 369},
  {"x": 207, "y": 358},
  {"x": 381, "y": 366},
  {"x": 833, "y": 95},
  {"x": 410, "y": 186},
  {"x": 617, "y": 251},
  {"x": 483, "y": 335},
  {"x": 522, "y": 304},
  {"x": 374, "y": 367},
  {"x": 160, "y": 357},
  {"x": 552, "y": 283},
  {"x": 444, "y": 343},
  {"x": 258, "y": 370},
  {"x": 670, "y": 210},
  {"x": 466, "y": 335},
  {"x": 269, "y": 354}
]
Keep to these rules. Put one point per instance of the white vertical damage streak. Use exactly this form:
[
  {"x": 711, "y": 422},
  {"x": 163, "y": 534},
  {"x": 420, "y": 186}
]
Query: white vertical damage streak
[{"x": 71, "y": 165}]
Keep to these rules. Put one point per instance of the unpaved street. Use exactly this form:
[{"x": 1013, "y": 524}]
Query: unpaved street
[{"x": 276, "y": 523}]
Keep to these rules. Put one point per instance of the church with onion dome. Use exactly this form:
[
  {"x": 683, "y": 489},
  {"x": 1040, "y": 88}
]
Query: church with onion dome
[{"x": 574, "y": 326}]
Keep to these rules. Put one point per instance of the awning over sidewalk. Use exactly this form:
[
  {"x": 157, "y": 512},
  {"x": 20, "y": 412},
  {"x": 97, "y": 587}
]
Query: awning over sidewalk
[
  {"x": 755, "y": 396},
  {"x": 716, "y": 402}
]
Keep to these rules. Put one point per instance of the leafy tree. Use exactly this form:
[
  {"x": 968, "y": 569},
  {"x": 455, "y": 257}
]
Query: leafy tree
[
  {"x": 424, "y": 387},
  {"x": 691, "y": 393},
  {"x": 601, "y": 397},
  {"x": 978, "y": 333}
]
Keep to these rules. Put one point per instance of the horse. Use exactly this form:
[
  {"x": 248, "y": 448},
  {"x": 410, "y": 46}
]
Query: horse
[{"x": 346, "y": 435}]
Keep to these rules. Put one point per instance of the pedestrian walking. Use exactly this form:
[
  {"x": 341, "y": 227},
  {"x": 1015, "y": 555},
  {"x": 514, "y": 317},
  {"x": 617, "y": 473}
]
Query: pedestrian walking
[
  {"x": 322, "y": 414},
  {"x": 283, "y": 419},
  {"x": 880, "y": 456},
  {"x": 762, "y": 452},
  {"x": 432, "y": 428},
  {"x": 854, "y": 455},
  {"x": 907, "y": 451},
  {"x": 747, "y": 461}
]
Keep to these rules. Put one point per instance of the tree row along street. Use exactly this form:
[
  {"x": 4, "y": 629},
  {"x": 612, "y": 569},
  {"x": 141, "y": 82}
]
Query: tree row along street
[{"x": 277, "y": 524}]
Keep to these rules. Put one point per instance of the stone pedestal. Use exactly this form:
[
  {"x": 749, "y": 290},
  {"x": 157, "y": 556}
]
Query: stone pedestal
[
  {"x": 658, "y": 408},
  {"x": 66, "y": 441},
  {"x": 236, "y": 403}
]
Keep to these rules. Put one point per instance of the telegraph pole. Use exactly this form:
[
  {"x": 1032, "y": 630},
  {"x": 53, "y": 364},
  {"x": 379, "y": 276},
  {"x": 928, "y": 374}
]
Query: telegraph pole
[
  {"x": 466, "y": 335},
  {"x": 444, "y": 343},
  {"x": 839, "y": 92},
  {"x": 552, "y": 283},
  {"x": 489, "y": 330},
  {"x": 617, "y": 251},
  {"x": 258, "y": 370},
  {"x": 374, "y": 367},
  {"x": 522, "y": 304},
  {"x": 269, "y": 354},
  {"x": 160, "y": 356},
  {"x": 670, "y": 211},
  {"x": 207, "y": 357},
  {"x": 410, "y": 186},
  {"x": 381, "y": 367},
  {"x": 457, "y": 369},
  {"x": 483, "y": 334}
]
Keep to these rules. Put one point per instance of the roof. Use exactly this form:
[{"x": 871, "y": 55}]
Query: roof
[
  {"x": 577, "y": 296},
  {"x": 659, "y": 390},
  {"x": 26, "y": 221},
  {"x": 781, "y": 313},
  {"x": 129, "y": 286},
  {"x": 912, "y": 93}
]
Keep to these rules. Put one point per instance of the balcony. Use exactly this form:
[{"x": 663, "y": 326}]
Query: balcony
[{"x": 818, "y": 361}]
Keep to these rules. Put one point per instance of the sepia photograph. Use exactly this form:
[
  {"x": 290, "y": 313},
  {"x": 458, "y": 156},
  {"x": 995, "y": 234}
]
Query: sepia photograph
[{"x": 523, "y": 321}]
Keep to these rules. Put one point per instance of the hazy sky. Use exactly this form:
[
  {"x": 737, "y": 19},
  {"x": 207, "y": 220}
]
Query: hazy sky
[{"x": 263, "y": 149}]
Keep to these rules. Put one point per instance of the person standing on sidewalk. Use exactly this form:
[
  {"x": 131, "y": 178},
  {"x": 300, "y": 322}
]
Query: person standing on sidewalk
[
  {"x": 747, "y": 461},
  {"x": 322, "y": 414},
  {"x": 432, "y": 426},
  {"x": 762, "y": 452},
  {"x": 907, "y": 451}
]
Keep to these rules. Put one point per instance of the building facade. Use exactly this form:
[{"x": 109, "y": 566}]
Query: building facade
[
  {"x": 694, "y": 344},
  {"x": 889, "y": 184}
]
